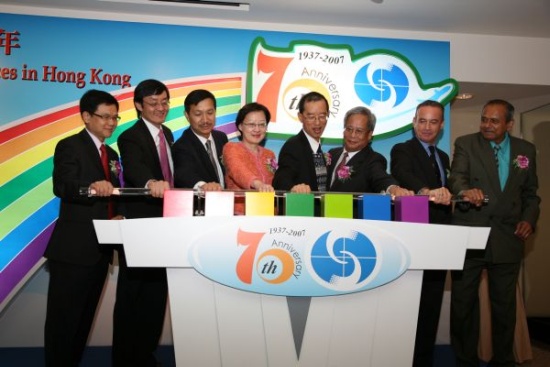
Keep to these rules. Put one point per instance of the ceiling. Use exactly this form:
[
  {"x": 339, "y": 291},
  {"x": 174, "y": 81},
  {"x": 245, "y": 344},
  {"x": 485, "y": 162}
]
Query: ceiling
[{"x": 525, "y": 18}]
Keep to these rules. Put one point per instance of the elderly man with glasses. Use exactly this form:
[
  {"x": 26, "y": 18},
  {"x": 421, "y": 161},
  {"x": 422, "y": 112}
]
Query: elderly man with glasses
[
  {"x": 302, "y": 163},
  {"x": 355, "y": 167}
]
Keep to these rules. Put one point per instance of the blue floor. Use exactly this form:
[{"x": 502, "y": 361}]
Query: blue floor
[
  {"x": 93, "y": 357},
  {"x": 100, "y": 357}
]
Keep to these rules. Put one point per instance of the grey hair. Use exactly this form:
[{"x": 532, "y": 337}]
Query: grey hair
[{"x": 360, "y": 110}]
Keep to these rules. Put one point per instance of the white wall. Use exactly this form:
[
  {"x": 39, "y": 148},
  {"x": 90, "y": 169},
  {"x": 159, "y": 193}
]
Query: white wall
[{"x": 474, "y": 58}]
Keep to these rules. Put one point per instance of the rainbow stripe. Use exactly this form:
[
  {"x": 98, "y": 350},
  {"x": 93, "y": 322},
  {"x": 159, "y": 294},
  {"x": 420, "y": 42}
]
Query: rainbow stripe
[{"x": 28, "y": 208}]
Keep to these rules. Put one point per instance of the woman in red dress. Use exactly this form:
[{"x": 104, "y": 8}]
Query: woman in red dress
[{"x": 249, "y": 166}]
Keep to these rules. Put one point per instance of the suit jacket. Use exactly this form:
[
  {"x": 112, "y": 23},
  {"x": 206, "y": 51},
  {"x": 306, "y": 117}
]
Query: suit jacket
[
  {"x": 77, "y": 164},
  {"x": 141, "y": 163},
  {"x": 191, "y": 161},
  {"x": 412, "y": 167},
  {"x": 296, "y": 164},
  {"x": 368, "y": 172},
  {"x": 474, "y": 166}
]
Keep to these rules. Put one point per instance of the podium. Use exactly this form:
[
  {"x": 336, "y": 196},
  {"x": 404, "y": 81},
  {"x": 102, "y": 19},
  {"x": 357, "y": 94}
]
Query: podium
[{"x": 292, "y": 291}]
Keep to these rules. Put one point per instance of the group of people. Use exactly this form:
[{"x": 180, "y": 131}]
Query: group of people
[{"x": 203, "y": 159}]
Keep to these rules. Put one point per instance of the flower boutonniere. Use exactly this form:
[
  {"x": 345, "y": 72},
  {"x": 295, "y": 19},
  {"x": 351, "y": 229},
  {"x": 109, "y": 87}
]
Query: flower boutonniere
[
  {"x": 328, "y": 158},
  {"x": 115, "y": 167},
  {"x": 272, "y": 165},
  {"x": 344, "y": 173},
  {"x": 521, "y": 162}
]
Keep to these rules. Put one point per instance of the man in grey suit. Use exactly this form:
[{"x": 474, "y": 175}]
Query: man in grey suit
[{"x": 503, "y": 167}]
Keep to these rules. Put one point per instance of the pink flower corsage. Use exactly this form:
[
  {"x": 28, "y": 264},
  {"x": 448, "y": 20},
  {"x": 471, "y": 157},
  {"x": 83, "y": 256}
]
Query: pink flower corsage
[
  {"x": 272, "y": 165},
  {"x": 344, "y": 173},
  {"x": 521, "y": 162},
  {"x": 115, "y": 167},
  {"x": 328, "y": 158}
]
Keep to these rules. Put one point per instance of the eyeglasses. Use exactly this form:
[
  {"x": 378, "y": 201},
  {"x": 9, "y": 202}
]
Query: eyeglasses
[
  {"x": 252, "y": 125},
  {"x": 312, "y": 118},
  {"x": 108, "y": 118},
  {"x": 163, "y": 104},
  {"x": 351, "y": 130}
]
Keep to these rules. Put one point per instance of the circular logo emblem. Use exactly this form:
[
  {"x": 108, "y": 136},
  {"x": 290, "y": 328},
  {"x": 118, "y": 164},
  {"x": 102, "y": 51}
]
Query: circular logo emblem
[
  {"x": 343, "y": 262},
  {"x": 374, "y": 83}
]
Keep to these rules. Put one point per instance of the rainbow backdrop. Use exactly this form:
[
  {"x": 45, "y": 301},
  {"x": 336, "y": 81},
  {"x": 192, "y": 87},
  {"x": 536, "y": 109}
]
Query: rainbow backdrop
[{"x": 28, "y": 208}]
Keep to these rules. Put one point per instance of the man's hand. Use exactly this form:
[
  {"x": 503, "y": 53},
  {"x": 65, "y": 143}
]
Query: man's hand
[
  {"x": 395, "y": 190},
  {"x": 440, "y": 196},
  {"x": 211, "y": 186},
  {"x": 474, "y": 196},
  {"x": 158, "y": 187},
  {"x": 102, "y": 188},
  {"x": 523, "y": 230},
  {"x": 301, "y": 189}
]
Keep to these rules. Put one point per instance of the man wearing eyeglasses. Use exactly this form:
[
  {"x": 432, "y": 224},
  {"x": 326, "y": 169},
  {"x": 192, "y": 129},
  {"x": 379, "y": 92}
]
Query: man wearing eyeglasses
[
  {"x": 356, "y": 167},
  {"x": 302, "y": 163},
  {"x": 77, "y": 264},
  {"x": 145, "y": 149},
  {"x": 197, "y": 153}
]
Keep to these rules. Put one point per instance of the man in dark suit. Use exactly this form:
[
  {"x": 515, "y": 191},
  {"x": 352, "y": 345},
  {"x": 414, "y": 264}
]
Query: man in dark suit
[
  {"x": 145, "y": 149},
  {"x": 77, "y": 264},
  {"x": 355, "y": 167},
  {"x": 420, "y": 166},
  {"x": 492, "y": 163},
  {"x": 197, "y": 153},
  {"x": 302, "y": 164}
]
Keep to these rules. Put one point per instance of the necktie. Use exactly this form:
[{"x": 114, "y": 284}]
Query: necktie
[
  {"x": 105, "y": 162},
  {"x": 164, "y": 162},
  {"x": 496, "y": 149},
  {"x": 435, "y": 166},
  {"x": 107, "y": 173},
  {"x": 320, "y": 169},
  {"x": 212, "y": 159},
  {"x": 502, "y": 176},
  {"x": 340, "y": 165}
]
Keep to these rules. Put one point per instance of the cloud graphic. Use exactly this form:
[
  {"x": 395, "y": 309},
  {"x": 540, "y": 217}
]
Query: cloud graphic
[
  {"x": 382, "y": 80},
  {"x": 391, "y": 88}
]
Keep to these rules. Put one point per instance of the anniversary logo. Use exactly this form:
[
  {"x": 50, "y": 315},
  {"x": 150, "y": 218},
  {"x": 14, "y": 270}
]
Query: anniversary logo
[
  {"x": 381, "y": 80},
  {"x": 299, "y": 257}
]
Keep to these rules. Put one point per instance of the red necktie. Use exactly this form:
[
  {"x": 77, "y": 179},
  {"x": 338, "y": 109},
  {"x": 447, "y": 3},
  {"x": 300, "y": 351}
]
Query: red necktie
[
  {"x": 107, "y": 173},
  {"x": 164, "y": 162}
]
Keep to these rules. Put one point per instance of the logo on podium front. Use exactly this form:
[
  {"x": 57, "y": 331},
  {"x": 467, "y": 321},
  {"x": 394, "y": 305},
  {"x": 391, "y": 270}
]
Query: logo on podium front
[{"x": 295, "y": 258}]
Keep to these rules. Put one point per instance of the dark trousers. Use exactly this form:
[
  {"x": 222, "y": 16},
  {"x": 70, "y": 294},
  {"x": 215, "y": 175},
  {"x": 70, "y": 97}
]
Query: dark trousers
[
  {"x": 502, "y": 280},
  {"x": 431, "y": 297},
  {"x": 138, "y": 315},
  {"x": 73, "y": 294}
]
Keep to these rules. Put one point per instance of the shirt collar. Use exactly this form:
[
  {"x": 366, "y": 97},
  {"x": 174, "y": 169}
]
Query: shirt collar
[
  {"x": 503, "y": 144},
  {"x": 314, "y": 144},
  {"x": 95, "y": 139}
]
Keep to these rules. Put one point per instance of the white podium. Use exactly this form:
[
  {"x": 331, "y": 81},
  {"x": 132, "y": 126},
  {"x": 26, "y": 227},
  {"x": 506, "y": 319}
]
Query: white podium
[{"x": 292, "y": 291}]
